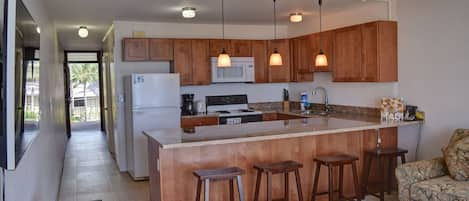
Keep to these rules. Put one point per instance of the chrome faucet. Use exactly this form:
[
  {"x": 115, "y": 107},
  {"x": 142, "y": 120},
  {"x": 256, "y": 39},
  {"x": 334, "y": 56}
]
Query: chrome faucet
[{"x": 326, "y": 98}]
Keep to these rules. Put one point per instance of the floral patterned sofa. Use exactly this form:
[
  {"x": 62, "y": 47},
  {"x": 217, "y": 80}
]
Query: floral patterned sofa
[{"x": 430, "y": 180}]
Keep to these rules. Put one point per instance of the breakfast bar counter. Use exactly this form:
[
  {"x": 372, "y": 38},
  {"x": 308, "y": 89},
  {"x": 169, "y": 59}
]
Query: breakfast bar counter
[{"x": 175, "y": 153}]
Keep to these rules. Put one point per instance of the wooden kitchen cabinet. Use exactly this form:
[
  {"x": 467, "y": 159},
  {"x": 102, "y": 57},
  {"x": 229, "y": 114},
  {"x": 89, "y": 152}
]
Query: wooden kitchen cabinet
[
  {"x": 269, "y": 116},
  {"x": 326, "y": 41},
  {"x": 347, "y": 54},
  {"x": 302, "y": 59},
  {"x": 379, "y": 51},
  {"x": 201, "y": 68},
  {"x": 259, "y": 52},
  {"x": 241, "y": 48},
  {"x": 182, "y": 63},
  {"x": 192, "y": 62},
  {"x": 161, "y": 49},
  {"x": 279, "y": 73},
  {"x": 216, "y": 46},
  {"x": 191, "y": 122},
  {"x": 366, "y": 53},
  {"x": 281, "y": 116},
  {"x": 135, "y": 49}
]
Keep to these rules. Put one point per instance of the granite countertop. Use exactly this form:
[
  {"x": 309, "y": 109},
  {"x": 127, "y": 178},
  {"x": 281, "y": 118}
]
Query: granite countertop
[{"x": 267, "y": 130}]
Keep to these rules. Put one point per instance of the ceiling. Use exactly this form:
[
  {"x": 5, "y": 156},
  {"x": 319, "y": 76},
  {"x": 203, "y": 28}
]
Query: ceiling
[{"x": 98, "y": 15}]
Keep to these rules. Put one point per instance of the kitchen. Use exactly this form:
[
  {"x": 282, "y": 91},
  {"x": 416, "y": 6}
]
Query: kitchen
[{"x": 258, "y": 93}]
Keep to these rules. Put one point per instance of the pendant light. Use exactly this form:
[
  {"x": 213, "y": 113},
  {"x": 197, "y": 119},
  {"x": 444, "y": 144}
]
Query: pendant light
[
  {"x": 321, "y": 59},
  {"x": 224, "y": 59},
  {"x": 275, "y": 57}
]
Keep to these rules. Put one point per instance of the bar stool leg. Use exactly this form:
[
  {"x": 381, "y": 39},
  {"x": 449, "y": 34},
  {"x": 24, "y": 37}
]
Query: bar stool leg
[
  {"x": 240, "y": 188},
  {"x": 366, "y": 174},
  {"x": 403, "y": 159},
  {"x": 341, "y": 182},
  {"x": 231, "y": 190},
  {"x": 287, "y": 187},
  {"x": 355, "y": 180},
  {"x": 199, "y": 189},
  {"x": 258, "y": 185},
  {"x": 390, "y": 170},
  {"x": 207, "y": 190},
  {"x": 383, "y": 173},
  {"x": 331, "y": 183},
  {"x": 298, "y": 185},
  {"x": 316, "y": 181},
  {"x": 269, "y": 186}
]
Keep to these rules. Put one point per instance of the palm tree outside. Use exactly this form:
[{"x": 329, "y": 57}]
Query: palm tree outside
[{"x": 83, "y": 75}]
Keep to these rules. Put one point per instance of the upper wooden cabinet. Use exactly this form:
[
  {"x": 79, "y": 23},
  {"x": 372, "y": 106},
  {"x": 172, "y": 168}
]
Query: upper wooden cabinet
[
  {"x": 302, "y": 53},
  {"x": 201, "y": 68},
  {"x": 279, "y": 73},
  {"x": 216, "y": 46},
  {"x": 241, "y": 48},
  {"x": 135, "y": 49},
  {"x": 161, "y": 49},
  {"x": 192, "y": 62},
  {"x": 366, "y": 53},
  {"x": 259, "y": 52},
  {"x": 182, "y": 63}
]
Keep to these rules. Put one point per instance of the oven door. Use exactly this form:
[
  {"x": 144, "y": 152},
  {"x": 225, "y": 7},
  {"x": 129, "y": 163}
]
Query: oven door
[{"x": 233, "y": 120}]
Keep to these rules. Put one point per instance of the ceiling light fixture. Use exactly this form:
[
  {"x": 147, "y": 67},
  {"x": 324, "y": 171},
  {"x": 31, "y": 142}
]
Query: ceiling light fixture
[
  {"x": 275, "y": 57},
  {"x": 321, "y": 58},
  {"x": 224, "y": 59},
  {"x": 296, "y": 17},
  {"x": 83, "y": 32},
  {"x": 188, "y": 12},
  {"x": 38, "y": 30}
]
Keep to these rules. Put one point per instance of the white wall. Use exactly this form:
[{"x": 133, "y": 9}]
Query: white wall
[
  {"x": 257, "y": 93},
  {"x": 37, "y": 177},
  {"x": 434, "y": 66}
]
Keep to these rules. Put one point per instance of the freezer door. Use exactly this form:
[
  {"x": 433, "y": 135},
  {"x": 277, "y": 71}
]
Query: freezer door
[
  {"x": 155, "y": 90},
  {"x": 145, "y": 120}
]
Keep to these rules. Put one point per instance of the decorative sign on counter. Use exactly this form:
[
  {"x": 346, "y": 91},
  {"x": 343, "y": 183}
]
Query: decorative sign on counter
[{"x": 392, "y": 109}]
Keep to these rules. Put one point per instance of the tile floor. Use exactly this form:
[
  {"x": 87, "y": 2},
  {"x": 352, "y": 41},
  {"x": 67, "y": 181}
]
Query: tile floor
[{"x": 90, "y": 173}]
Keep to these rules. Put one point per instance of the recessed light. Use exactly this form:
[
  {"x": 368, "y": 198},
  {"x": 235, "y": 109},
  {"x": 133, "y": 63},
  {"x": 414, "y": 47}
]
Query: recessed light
[
  {"x": 38, "y": 30},
  {"x": 188, "y": 12},
  {"x": 296, "y": 17},
  {"x": 83, "y": 32}
]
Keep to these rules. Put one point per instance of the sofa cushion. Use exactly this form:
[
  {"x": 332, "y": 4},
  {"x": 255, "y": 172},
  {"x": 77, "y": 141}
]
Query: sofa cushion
[
  {"x": 440, "y": 189},
  {"x": 457, "y": 155}
]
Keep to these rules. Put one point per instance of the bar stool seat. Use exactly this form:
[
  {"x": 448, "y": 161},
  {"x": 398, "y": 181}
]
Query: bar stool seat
[
  {"x": 387, "y": 151},
  {"x": 332, "y": 161},
  {"x": 336, "y": 159},
  {"x": 283, "y": 167},
  {"x": 208, "y": 175}
]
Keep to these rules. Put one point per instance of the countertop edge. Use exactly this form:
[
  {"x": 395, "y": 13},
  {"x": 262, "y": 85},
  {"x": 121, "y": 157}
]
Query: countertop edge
[{"x": 287, "y": 135}]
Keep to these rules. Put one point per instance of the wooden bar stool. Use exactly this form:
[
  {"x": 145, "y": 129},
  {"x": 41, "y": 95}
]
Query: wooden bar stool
[
  {"x": 284, "y": 167},
  {"x": 330, "y": 162},
  {"x": 230, "y": 173},
  {"x": 382, "y": 154}
]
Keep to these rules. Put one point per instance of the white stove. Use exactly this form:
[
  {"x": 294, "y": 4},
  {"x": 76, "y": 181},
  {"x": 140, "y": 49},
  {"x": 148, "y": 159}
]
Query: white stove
[{"x": 232, "y": 109}]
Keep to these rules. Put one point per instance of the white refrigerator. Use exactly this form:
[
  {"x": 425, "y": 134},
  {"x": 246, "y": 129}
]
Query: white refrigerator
[{"x": 152, "y": 101}]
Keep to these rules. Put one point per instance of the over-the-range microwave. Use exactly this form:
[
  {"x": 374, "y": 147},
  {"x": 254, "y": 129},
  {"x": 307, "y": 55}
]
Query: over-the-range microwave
[{"x": 241, "y": 70}]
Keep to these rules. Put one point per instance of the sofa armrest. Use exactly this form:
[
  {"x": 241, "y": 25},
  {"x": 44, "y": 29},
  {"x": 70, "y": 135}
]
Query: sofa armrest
[{"x": 411, "y": 173}]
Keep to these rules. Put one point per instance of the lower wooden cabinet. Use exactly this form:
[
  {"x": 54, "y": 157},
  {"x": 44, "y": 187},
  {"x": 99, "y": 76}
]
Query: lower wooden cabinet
[
  {"x": 269, "y": 116},
  {"x": 191, "y": 122},
  {"x": 281, "y": 116}
]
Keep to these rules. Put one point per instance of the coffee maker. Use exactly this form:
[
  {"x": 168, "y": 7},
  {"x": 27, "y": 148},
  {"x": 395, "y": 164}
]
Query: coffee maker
[{"x": 187, "y": 104}]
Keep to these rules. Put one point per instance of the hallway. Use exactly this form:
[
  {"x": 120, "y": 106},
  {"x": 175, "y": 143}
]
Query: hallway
[{"x": 90, "y": 173}]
